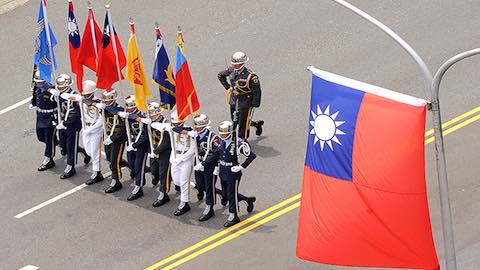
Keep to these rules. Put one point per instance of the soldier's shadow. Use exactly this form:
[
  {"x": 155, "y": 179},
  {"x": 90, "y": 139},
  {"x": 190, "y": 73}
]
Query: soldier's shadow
[{"x": 263, "y": 151}]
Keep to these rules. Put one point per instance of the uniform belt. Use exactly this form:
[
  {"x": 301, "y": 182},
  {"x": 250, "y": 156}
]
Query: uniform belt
[
  {"x": 223, "y": 163},
  {"x": 46, "y": 110}
]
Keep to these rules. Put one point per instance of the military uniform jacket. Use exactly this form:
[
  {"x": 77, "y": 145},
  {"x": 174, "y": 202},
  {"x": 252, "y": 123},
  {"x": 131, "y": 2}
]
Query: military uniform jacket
[
  {"x": 184, "y": 146},
  {"x": 207, "y": 144},
  {"x": 226, "y": 159},
  {"x": 70, "y": 112},
  {"x": 138, "y": 131},
  {"x": 46, "y": 105},
  {"x": 245, "y": 87},
  {"x": 92, "y": 116},
  {"x": 161, "y": 144},
  {"x": 114, "y": 124}
]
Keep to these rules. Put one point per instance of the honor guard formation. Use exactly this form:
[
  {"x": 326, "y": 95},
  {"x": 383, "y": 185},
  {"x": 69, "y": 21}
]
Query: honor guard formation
[{"x": 155, "y": 141}]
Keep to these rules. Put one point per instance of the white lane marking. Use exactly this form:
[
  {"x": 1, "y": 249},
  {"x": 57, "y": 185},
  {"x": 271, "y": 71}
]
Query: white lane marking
[
  {"x": 54, "y": 199},
  {"x": 29, "y": 267},
  {"x": 16, "y": 105},
  {"x": 11, "y": 5}
]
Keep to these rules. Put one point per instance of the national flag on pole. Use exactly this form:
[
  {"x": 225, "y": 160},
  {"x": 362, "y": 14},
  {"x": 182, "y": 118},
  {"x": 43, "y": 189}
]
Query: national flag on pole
[
  {"x": 136, "y": 73},
  {"x": 364, "y": 200},
  {"x": 74, "y": 45},
  {"x": 44, "y": 42},
  {"x": 107, "y": 73},
  {"x": 185, "y": 90},
  {"x": 163, "y": 73},
  {"x": 91, "y": 40}
]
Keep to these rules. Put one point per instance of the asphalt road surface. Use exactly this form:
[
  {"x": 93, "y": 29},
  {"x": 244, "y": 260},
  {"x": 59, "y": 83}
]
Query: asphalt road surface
[{"x": 87, "y": 229}]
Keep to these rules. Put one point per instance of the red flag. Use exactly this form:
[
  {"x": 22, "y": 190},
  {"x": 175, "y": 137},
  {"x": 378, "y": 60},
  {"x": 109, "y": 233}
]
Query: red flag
[
  {"x": 89, "y": 47},
  {"x": 364, "y": 200},
  {"x": 74, "y": 45},
  {"x": 107, "y": 73},
  {"x": 185, "y": 90}
]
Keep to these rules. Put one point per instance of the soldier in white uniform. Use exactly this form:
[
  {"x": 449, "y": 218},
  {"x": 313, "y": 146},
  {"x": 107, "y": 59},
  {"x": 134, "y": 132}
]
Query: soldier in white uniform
[{"x": 181, "y": 160}]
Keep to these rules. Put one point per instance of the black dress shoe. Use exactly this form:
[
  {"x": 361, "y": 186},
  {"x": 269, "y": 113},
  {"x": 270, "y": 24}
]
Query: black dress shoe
[
  {"x": 95, "y": 180},
  {"x": 200, "y": 195},
  {"x": 259, "y": 127},
  {"x": 86, "y": 159},
  {"x": 114, "y": 188},
  {"x": 205, "y": 217},
  {"x": 155, "y": 181},
  {"x": 250, "y": 205},
  {"x": 182, "y": 211},
  {"x": 230, "y": 223},
  {"x": 134, "y": 196},
  {"x": 69, "y": 174},
  {"x": 161, "y": 202},
  {"x": 47, "y": 166},
  {"x": 177, "y": 188}
]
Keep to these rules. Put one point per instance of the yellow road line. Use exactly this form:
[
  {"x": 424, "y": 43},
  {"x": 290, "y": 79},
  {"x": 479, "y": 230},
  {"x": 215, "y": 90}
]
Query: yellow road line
[
  {"x": 224, "y": 232},
  {"x": 454, "y": 120},
  {"x": 283, "y": 211},
  {"x": 233, "y": 236}
]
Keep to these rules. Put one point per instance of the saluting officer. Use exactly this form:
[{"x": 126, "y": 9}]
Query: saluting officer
[
  {"x": 69, "y": 125},
  {"x": 244, "y": 93},
  {"x": 138, "y": 144},
  {"x": 230, "y": 170},
  {"x": 46, "y": 107},
  {"x": 116, "y": 137}
]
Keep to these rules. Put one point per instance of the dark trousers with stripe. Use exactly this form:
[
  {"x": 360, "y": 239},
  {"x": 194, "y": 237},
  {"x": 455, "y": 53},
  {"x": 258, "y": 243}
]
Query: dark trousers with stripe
[
  {"x": 137, "y": 160},
  {"x": 47, "y": 136},
  {"x": 69, "y": 142},
  {"x": 114, "y": 153},
  {"x": 244, "y": 118},
  {"x": 205, "y": 183},
  {"x": 161, "y": 170},
  {"x": 230, "y": 189}
]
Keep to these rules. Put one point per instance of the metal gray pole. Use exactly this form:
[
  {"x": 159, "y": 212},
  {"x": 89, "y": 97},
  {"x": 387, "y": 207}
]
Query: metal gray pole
[{"x": 447, "y": 224}]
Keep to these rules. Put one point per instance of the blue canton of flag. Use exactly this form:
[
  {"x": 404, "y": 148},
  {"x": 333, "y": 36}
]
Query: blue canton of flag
[
  {"x": 163, "y": 75},
  {"x": 74, "y": 35},
  {"x": 43, "y": 59}
]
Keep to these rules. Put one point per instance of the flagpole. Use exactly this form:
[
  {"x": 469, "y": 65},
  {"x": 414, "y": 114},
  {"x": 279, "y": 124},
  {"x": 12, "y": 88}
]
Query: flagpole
[
  {"x": 49, "y": 41},
  {"x": 92, "y": 30},
  {"x": 119, "y": 72}
]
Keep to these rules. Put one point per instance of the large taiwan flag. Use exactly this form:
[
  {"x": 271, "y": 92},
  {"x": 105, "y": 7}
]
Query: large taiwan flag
[
  {"x": 74, "y": 45},
  {"x": 364, "y": 200}
]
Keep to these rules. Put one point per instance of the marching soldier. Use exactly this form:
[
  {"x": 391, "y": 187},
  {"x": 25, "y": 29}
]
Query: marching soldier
[
  {"x": 137, "y": 149},
  {"x": 244, "y": 93},
  {"x": 93, "y": 127},
  {"x": 160, "y": 155},
  {"x": 230, "y": 170},
  {"x": 46, "y": 106},
  {"x": 116, "y": 137},
  {"x": 181, "y": 161},
  {"x": 69, "y": 125}
]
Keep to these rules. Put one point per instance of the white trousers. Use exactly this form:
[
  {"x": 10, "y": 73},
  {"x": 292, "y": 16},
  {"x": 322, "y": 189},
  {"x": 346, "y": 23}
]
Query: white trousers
[
  {"x": 181, "y": 177},
  {"x": 92, "y": 143}
]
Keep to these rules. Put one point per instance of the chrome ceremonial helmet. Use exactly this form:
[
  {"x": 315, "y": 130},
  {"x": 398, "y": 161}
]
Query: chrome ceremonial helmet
[
  {"x": 225, "y": 130},
  {"x": 175, "y": 120},
  {"x": 155, "y": 111},
  {"x": 109, "y": 97},
  {"x": 88, "y": 89},
  {"x": 63, "y": 82},
  {"x": 130, "y": 104},
  {"x": 238, "y": 60},
  {"x": 201, "y": 122},
  {"x": 37, "y": 78}
]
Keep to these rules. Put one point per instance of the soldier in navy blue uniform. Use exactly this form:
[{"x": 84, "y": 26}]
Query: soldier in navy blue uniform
[
  {"x": 46, "y": 106},
  {"x": 69, "y": 125},
  {"x": 244, "y": 92},
  {"x": 230, "y": 170},
  {"x": 138, "y": 144},
  {"x": 116, "y": 137}
]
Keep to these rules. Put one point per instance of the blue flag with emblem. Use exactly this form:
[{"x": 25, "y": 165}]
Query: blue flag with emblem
[
  {"x": 163, "y": 74},
  {"x": 45, "y": 38}
]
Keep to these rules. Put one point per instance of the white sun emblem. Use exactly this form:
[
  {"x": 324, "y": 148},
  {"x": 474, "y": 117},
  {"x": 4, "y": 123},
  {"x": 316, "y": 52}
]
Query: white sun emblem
[
  {"x": 72, "y": 27},
  {"x": 325, "y": 128}
]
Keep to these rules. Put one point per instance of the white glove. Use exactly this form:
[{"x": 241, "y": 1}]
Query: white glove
[
  {"x": 66, "y": 95},
  {"x": 107, "y": 141},
  {"x": 31, "y": 107},
  {"x": 76, "y": 97},
  {"x": 123, "y": 114},
  {"x": 61, "y": 126},
  {"x": 146, "y": 121},
  {"x": 199, "y": 167},
  {"x": 216, "y": 171},
  {"x": 54, "y": 92},
  {"x": 152, "y": 155},
  {"x": 192, "y": 133},
  {"x": 168, "y": 127},
  {"x": 100, "y": 106},
  {"x": 130, "y": 148},
  {"x": 236, "y": 168}
]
